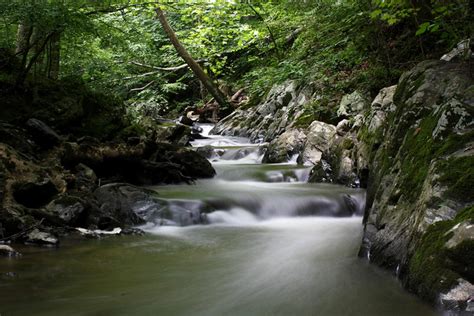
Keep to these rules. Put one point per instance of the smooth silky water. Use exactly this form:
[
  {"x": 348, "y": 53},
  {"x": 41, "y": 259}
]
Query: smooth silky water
[{"x": 262, "y": 253}]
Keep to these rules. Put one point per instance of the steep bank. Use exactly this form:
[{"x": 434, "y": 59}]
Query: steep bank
[{"x": 412, "y": 148}]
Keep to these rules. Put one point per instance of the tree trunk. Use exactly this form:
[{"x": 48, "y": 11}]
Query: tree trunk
[
  {"x": 54, "y": 55},
  {"x": 197, "y": 70},
  {"x": 23, "y": 37}
]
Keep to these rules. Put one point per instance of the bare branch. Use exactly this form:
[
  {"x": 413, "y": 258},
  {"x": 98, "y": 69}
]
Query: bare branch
[{"x": 144, "y": 87}]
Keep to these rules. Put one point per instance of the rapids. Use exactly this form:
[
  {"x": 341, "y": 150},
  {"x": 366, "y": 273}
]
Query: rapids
[{"x": 273, "y": 245}]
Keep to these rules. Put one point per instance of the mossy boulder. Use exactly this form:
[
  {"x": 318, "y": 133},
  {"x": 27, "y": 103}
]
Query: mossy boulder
[{"x": 421, "y": 176}]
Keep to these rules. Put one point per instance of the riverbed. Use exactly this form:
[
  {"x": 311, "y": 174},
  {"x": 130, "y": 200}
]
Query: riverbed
[{"x": 273, "y": 245}]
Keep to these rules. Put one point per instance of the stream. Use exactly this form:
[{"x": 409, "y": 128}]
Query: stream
[{"x": 273, "y": 245}]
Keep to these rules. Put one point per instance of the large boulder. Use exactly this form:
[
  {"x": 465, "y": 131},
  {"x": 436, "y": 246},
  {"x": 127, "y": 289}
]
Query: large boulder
[
  {"x": 285, "y": 146},
  {"x": 421, "y": 182},
  {"x": 123, "y": 205},
  {"x": 320, "y": 138}
]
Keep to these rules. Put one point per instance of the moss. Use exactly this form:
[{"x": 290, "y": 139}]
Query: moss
[
  {"x": 434, "y": 269},
  {"x": 304, "y": 120},
  {"x": 347, "y": 143},
  {"x": 419, "y": 149},
  {"x": 458, "y": 176}
]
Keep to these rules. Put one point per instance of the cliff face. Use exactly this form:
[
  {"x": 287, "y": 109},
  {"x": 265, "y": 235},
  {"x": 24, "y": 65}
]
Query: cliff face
[{"x": 421, "y": 183}]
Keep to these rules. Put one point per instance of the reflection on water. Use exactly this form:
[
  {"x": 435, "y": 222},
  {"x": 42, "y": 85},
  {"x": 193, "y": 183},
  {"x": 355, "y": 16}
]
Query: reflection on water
[{"x": 285, "y": 266}]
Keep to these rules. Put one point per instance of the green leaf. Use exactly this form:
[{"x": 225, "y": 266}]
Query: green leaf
[{"x": 422, "y": 29}]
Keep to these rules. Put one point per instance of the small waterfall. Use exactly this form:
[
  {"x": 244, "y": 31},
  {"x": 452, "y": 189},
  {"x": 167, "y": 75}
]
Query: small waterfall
[{"x": 246, "y": 191}]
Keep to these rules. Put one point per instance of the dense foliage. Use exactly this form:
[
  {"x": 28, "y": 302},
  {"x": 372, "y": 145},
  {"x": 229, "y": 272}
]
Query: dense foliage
[{"x": 120, "y": 48}]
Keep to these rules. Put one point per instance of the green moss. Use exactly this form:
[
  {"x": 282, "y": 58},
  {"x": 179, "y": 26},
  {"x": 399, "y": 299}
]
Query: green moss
[
  {"x": 419, "y": 149},
  {"x": 433, "y": 268},
  {"x": 304, "y": 120},
  {"x": 458, "y": 176}
]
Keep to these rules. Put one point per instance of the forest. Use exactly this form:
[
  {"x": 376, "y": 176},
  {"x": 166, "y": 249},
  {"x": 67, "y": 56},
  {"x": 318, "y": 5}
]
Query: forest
[{"x": 256, "y": 153}]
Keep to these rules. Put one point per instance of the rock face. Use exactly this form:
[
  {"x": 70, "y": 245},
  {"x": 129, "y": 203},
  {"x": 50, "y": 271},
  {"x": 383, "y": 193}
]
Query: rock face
[
  {"x": 283, "y": 104},
  {"x": 420, "y": 189}
]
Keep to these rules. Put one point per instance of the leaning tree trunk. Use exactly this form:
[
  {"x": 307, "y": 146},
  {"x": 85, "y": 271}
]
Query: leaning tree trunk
[{"x": 197, "y": 70}]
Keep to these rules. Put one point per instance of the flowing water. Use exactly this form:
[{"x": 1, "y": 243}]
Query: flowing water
[{"x": 273, "y": 245}]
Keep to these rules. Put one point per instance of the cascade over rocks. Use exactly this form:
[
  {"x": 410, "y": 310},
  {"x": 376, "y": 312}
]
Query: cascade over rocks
[{"x": 412, "y": 148}]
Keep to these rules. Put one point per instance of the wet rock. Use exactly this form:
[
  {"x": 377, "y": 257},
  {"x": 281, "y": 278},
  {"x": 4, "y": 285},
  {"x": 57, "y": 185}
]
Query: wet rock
[
  {"x": 321, "y": 173},
  {"x": 285, "y": 146},
  {"x": 34, "y": 194},
  {"x": 41, "y": 238},
  {"x": 69, "y": 209},
  {"x": 42, "y": 134},
  {"x": 193, "y": 164},
  {"x": 207, "y": 151},
  {"x": 459, "y": 298},
  {"x": 7, "y": 251},
  {"x": 122, "y": 205}
]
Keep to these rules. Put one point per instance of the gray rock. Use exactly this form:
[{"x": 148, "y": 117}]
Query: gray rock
[
  {"x": 411, "y": 158},
  {"x": 343, "y": 127},
  {"x": 7, "y": 251},
  {"x": 463, "y": 51},
  {"x": 271, "y": 118},
  {"x": 68, "y": 208},
  {"x": 41, "y": 238},
  {"x": 352, "y": 104},
  {"x": 123, "y": 205},
  {"x": 461, "y": 232},
  {"x": 286, "y": 145},
  {"x": 320, "y": 138},
  {"x": 460, "y": 297}
]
